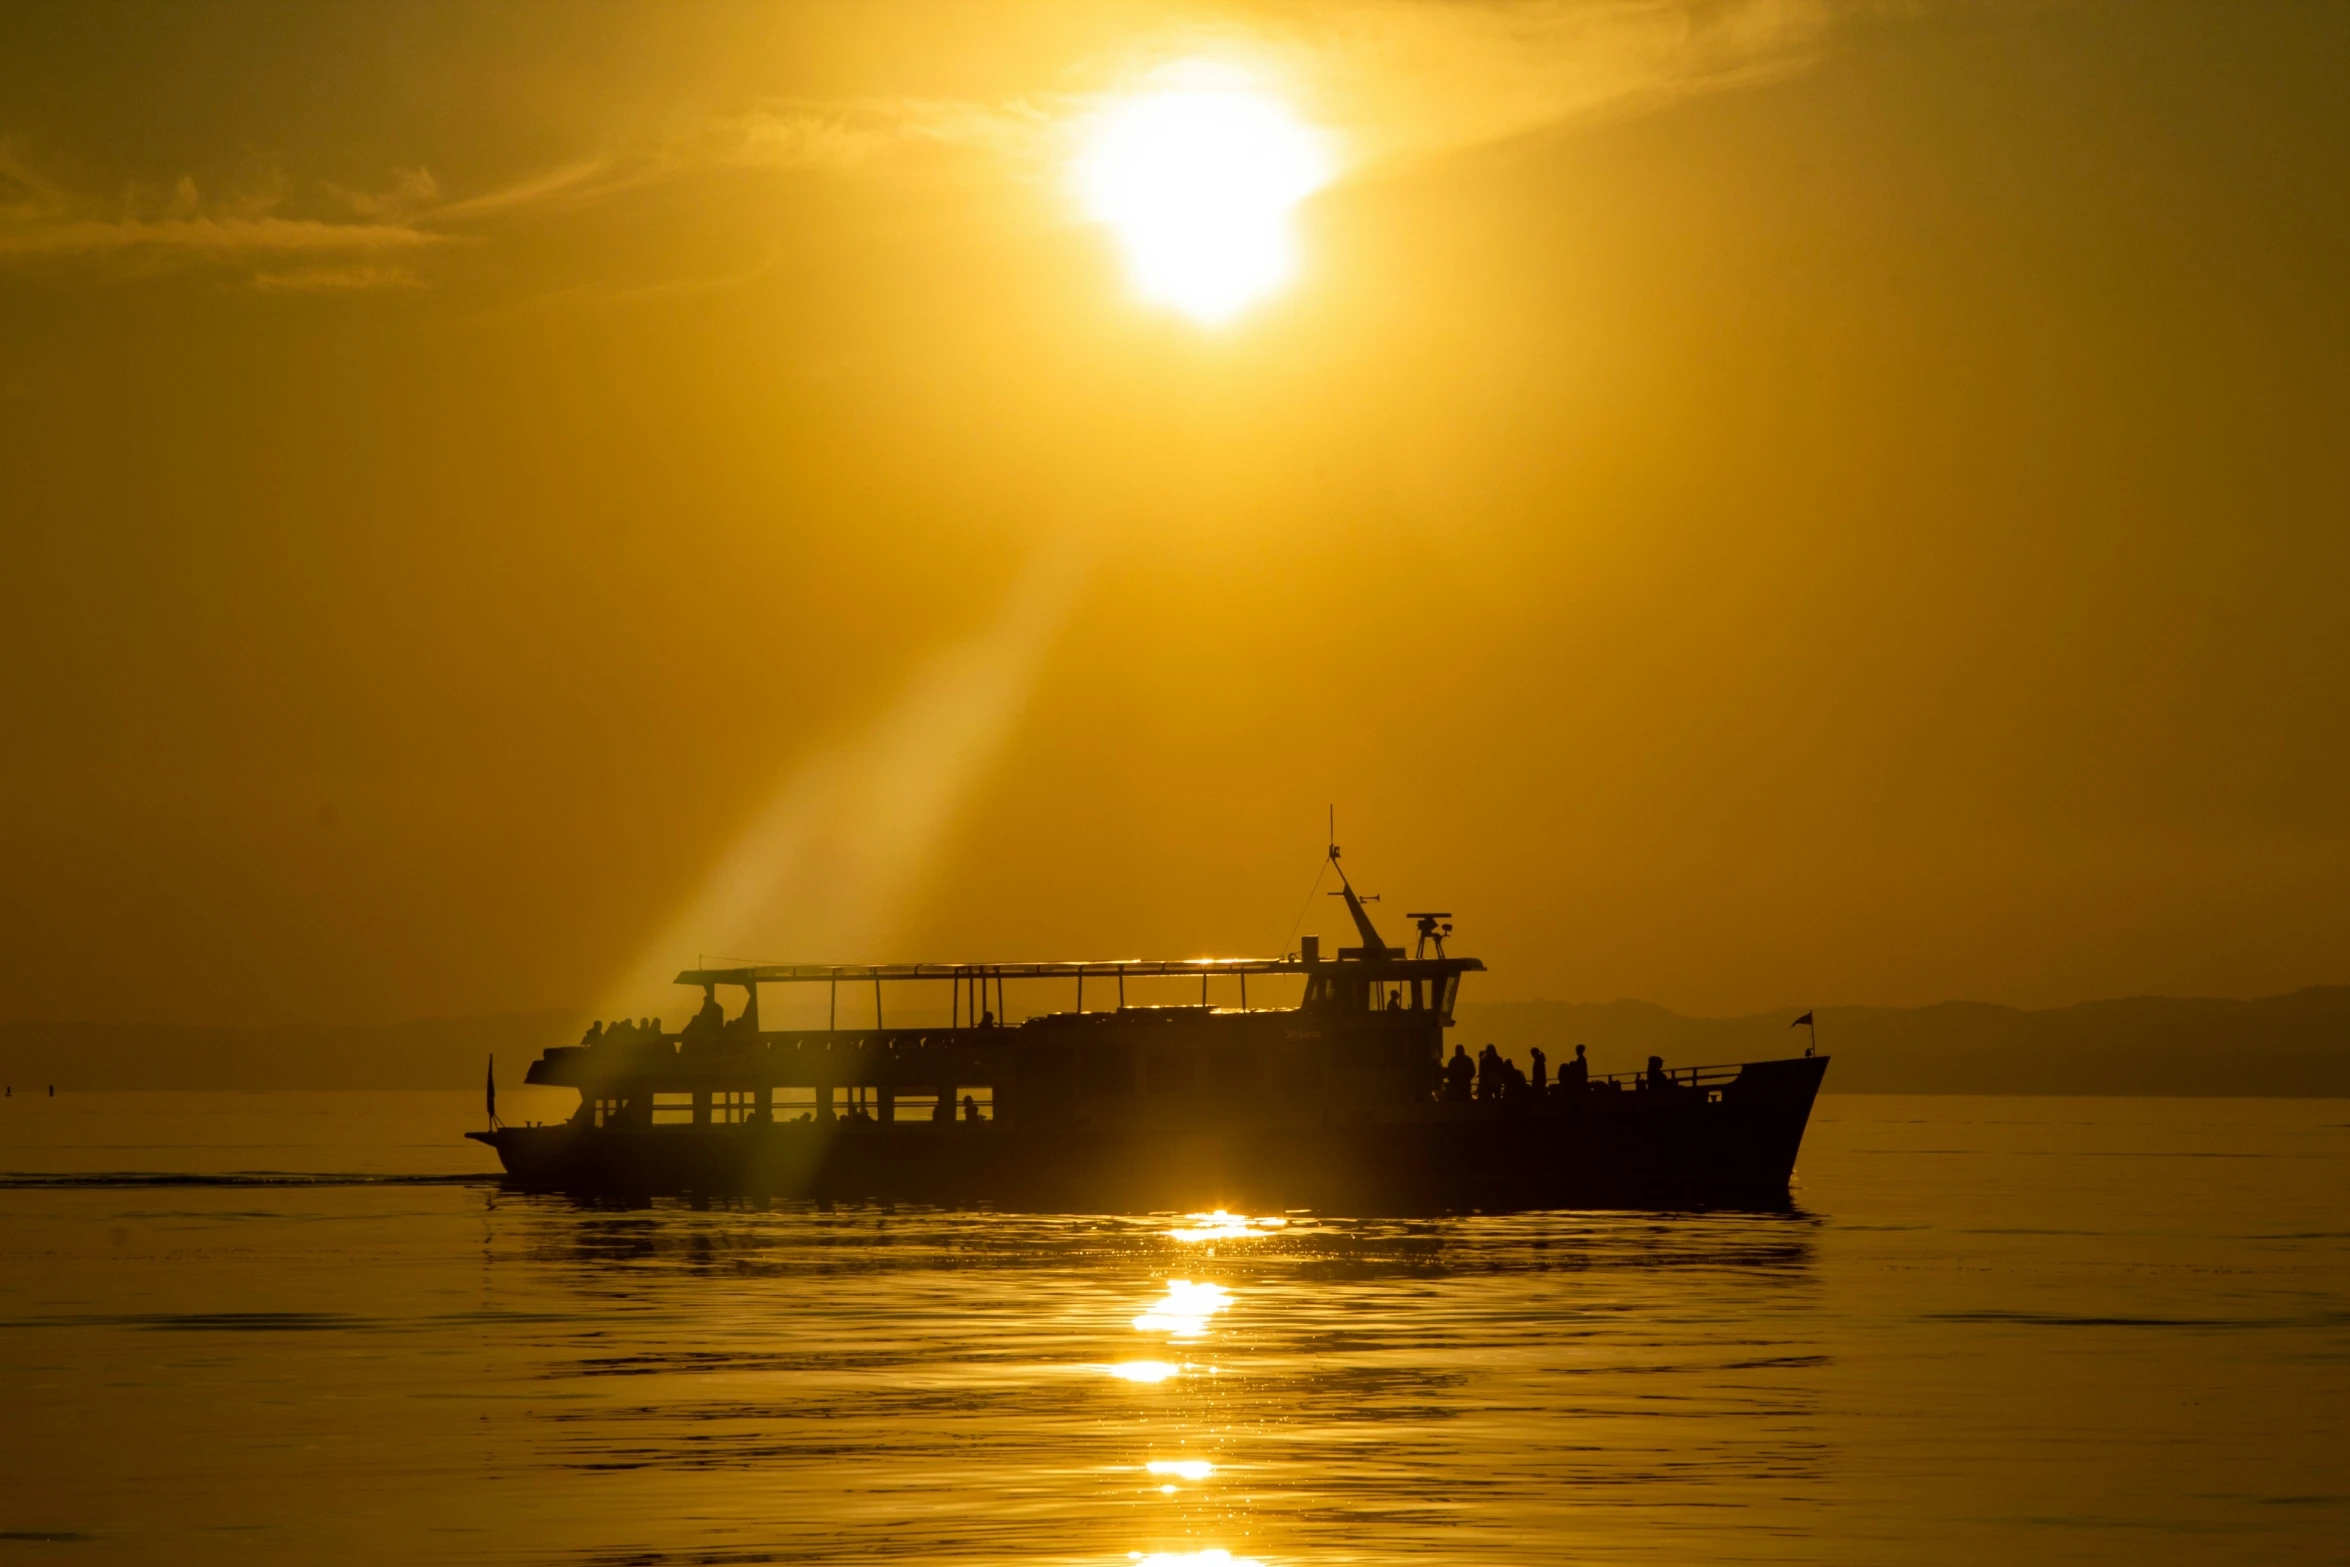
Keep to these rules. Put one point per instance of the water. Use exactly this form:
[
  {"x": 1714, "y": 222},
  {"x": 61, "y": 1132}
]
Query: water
[{"x": 2037, "y": 1330}]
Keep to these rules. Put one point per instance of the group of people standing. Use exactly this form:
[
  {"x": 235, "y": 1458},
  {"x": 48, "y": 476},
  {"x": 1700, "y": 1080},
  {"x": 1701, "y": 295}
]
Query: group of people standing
[{"x": 1493, "y": 1077}]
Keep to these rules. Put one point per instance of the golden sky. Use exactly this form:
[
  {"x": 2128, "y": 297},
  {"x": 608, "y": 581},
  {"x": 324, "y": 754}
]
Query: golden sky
[{"x": 1744, "y": 503}]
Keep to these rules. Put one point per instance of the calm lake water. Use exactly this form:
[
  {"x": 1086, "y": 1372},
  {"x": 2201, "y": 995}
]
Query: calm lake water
[{"x": 2033, "y": 1330}]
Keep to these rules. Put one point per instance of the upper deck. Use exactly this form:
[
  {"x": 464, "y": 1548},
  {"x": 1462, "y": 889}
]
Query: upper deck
[{"x": 1368, "y": 1020}]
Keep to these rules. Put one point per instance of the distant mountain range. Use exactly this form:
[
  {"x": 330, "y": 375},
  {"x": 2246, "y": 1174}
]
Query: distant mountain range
[{"x": 2286, "y": 1046}]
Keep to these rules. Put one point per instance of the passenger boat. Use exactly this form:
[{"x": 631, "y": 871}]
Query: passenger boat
[{"x": 1339, "y": 1103}]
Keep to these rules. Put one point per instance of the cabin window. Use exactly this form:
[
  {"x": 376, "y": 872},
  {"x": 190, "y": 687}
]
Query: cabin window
[
  {"x": 732, "y": 1106},
  {"x": 608, "y": 1111},
  {"x": 673, "y": 1109}
]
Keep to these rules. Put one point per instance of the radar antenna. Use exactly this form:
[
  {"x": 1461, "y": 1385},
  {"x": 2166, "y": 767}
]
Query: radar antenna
[{"x": 1433, "y": 927}]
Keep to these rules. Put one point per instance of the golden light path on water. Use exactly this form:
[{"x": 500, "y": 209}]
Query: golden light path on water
[
  {"x": 1222, "y": 1226},
  {"x": 1183, "y": 1312},
  {"x": 1999, "y": 1330},
  {"x": 1182, "y": 1468}
]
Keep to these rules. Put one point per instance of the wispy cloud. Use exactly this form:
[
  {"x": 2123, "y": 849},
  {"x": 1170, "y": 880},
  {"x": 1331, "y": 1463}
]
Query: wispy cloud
[
  {"x": 1395, "y": 82},
  {"x": 251, "y": 227},
  {"x": 214, "y": 236},
  {"x": 341, "y": 279},
  {"x": 1404, "y": 79}
]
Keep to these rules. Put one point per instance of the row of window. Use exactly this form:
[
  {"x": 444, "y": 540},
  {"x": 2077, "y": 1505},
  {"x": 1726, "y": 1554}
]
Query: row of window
[{"x": 736, "y": 1106}]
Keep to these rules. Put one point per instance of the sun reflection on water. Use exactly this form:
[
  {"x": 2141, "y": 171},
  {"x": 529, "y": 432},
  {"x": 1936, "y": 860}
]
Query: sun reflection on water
[
  {"x": 1144, "y": 1370},
  {"x": 1223, "y": 1226},
  {"x": 1181, "y": 1468},
  {"x": 1207, "y": 1558},
  {"x": 1183, "y": 1312}
]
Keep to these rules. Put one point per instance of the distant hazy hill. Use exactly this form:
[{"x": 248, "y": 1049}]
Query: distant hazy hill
[
  {"x": 427, "y": 1053},
  {"x": 2296, "y": 1045}
]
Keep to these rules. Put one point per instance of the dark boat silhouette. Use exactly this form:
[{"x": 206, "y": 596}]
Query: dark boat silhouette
[{"x": 1339, "y": 1103}]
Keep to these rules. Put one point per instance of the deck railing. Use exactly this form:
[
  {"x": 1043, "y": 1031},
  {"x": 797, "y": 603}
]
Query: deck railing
[{"x": 1678, "y": 1076}]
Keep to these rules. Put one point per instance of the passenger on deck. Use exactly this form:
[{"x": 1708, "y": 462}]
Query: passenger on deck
[
  {"x": 1460, "y": 1076},
  {"x": 1575, "y": 1075},
  {"x": 595, "y": 1031},
  {"x": 1658, "y": 1079},
  {"x": 987, "y": 1020},
  {"x": 710, "y": 1019},
  {"x": 1541, "y": 1072},
  {"x": 970, "y": 1108},
  {"x": 1395, "y": 1001},
  {"x": 1513, "y": 1082},
  {"x": 1489, "y": 1073}
]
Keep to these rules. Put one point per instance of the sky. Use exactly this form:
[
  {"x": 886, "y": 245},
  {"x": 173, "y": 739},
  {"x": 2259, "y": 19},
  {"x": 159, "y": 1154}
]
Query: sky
[{"x": 1744, "y": 504}]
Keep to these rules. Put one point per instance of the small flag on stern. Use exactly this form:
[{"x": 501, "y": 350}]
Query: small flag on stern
[
  {"x": 490, "y": 1090},
  {"x": 1801, "y": 1021}
]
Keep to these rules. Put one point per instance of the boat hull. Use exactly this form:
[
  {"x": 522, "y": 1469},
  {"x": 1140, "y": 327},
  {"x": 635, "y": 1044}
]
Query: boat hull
[{"x": 1735, "y": 1146}]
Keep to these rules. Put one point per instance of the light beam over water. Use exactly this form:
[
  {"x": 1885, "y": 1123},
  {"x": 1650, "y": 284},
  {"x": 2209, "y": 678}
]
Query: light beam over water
[{"x": 828, "y": 870}]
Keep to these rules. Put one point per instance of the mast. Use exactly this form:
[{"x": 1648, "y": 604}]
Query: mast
[{"x": 1374, "y": 944}]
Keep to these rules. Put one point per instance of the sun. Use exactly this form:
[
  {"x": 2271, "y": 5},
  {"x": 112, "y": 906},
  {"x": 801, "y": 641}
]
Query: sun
[{"x": 1198, "y": 178}]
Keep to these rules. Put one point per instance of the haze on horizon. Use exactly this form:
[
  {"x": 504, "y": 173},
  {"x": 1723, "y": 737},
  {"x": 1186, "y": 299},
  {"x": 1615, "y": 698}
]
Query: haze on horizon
[{"x": 1745, "y": 503}]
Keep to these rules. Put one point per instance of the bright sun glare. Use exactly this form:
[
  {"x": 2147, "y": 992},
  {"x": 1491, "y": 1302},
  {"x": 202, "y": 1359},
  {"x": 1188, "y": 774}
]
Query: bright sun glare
[
  {"x": 1185, "y": 1309},
  {"x": 1198, "y": 178}
]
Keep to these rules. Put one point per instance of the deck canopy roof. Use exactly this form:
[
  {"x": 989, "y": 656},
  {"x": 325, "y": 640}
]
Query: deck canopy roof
[{"x": 821, "y": 973}]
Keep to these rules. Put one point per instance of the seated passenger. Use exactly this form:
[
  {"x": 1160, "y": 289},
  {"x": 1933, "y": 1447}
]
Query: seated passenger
[
  {"x": 970, "y": 1108},
  {"x": 1395, "y": 1001},
  {"x": 1658, "y": 1078}
]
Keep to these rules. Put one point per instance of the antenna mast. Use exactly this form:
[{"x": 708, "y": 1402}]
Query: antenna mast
[{"x": 1374, "y": 944}]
